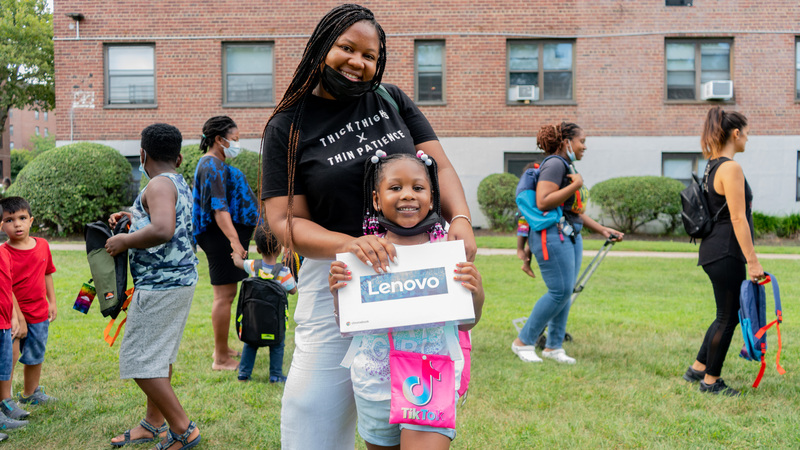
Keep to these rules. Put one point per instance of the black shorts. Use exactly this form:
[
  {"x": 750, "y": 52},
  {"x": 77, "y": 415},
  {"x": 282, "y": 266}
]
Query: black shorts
[{"x": 218, "y": 252}]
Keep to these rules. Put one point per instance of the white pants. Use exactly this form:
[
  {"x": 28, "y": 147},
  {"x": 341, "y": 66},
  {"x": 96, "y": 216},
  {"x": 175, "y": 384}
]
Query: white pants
[{"x": 318, "y": 408}]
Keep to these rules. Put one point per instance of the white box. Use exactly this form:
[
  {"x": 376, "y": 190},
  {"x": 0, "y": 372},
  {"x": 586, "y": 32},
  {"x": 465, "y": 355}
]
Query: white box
[{"x": 419, "y": 292}]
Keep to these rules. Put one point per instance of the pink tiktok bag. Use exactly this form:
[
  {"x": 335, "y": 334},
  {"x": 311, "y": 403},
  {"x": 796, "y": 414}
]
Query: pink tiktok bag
[{"x": 423, "y": 388}]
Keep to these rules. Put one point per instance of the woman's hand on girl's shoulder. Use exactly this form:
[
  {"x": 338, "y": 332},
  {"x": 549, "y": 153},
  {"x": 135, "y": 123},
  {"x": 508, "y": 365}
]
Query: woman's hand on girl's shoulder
[
  {"x": 372, "y": 250},
  {"x": 462, "y": 230}
]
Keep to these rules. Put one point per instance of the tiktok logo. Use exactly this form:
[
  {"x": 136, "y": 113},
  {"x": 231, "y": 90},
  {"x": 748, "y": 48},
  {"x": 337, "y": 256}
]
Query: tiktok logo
[{"x": 429, "y": 374}]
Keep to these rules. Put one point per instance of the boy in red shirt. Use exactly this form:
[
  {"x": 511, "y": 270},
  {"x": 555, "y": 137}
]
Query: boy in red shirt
[
  {"x": 8, "y": 327},
  {"x": 32, "y": 267}
]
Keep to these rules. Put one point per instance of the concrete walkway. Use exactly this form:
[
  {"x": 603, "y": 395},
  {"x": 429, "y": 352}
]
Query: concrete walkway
[{"x": 507, "y": 251}]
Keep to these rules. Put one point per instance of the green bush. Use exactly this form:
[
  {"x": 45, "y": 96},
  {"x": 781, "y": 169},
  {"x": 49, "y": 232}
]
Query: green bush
[
  {"x": 73, "y": 185},
  {"x": 247, "y": 162},
  {"x": 785, "y": 227},
  {"x": 496, "y": 200},
  {"x": 633, "y": 201}
]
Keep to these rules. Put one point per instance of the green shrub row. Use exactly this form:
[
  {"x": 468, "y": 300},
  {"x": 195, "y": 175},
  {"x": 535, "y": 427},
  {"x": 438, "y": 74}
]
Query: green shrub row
[{"x": 785, "y": 227}]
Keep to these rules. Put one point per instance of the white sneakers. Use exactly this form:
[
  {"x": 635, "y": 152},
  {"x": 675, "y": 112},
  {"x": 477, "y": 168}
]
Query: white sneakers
[
  {"x": 526, "y": 353},
  {"x": 559, "y": 356}
]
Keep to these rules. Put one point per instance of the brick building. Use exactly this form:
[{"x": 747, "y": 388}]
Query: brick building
[
  {"x": 21, "y": 125},
  {"x": 632, "y": 73}
]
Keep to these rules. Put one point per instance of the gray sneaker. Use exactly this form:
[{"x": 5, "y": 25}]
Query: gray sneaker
[
  {"x": 10, "y": 408},
  {"x": 37, "y": 398},
  {"x": 7, "y": 423}
]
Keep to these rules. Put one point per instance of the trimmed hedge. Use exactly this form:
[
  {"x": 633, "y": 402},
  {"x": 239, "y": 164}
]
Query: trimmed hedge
[
  {"x": 633, "y": 201},
  {"x": 73, "y": 185},
  {"x": 247, "y": 162},
  {"x": 497, "y": 200},
  {"x": 785, "y": 227}
]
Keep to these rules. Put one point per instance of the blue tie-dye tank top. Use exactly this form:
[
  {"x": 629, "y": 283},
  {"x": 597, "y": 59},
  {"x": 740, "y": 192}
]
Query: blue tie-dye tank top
[{"x": 173, "y": 263}]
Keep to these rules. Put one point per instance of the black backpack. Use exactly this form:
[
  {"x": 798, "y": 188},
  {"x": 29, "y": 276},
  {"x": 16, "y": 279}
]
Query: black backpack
[
  {"x": 696, "y": 215},
  {"x": 110, "y": 274},
  {"x": 261, "y": 312}
]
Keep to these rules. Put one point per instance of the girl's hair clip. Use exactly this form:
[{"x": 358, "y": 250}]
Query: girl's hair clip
[
  {"x": 425, "y": 158},
  {"x": 203, "y": 135},
  {"x": 378, "y": 154}
]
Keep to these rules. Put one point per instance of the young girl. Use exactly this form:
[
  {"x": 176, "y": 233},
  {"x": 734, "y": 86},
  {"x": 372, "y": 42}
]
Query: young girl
[{"x": 401, "y": 196}]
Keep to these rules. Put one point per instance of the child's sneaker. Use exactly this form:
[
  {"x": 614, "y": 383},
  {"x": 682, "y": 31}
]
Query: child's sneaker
[
  {"x": 277, "y": 379},
  {"x": 10, "y": 408},
  {"x": 7, "y": 423},
  {"x": 37, "y": 398}
]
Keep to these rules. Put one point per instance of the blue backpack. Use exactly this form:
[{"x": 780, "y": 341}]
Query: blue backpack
[
  {"x": 753, "y": 318},
  {"x": 526, "y": 199}
]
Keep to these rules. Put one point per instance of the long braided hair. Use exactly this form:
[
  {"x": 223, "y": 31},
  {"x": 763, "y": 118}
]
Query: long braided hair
[
  {"x": 374, "y": 168},
  {"x": 550, "y": 137},
  {"x": 215, "y": 126},
  {"x": 307, "y": 77}
]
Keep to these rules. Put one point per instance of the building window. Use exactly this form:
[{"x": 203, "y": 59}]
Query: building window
[
  {"x": 680, "y": 166},
  {"x": 797, "y": 70},
  {"x": 540, "y": 70},
  {"x": 37, "y": 131},
  {"x": 130, "y": 75},
  {"x": 429, "y": 65},
  {"x": 247, "y": 74},
  {"x": 11, "y": 130},
  {"x": 516, "y": 162},
  {"x": 36, "y": 115},
  {"x": 46, "y": 132},
  {"x": 45, "y": 116},
  {"x": 11, "y": 146},
  {"x": 678, "y": 3},
  {"x": 692, "y": 63}
]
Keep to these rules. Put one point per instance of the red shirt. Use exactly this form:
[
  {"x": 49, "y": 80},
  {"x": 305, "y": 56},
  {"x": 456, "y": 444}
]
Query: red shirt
[
  {"x": 29, "y": 268},
  {"x": 5, "y": 289}
]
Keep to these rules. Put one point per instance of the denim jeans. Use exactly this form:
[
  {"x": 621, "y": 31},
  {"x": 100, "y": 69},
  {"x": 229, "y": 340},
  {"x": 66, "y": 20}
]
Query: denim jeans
[
  {"x": 249, "y": 358},
  {"x": 559, "y": 272}
]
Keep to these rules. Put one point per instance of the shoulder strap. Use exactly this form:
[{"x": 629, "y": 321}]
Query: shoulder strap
[
  {"x": 355, "y": 344},
  {"x": 276, "y": 269},
  {"x": 257, "y": 264},
  {"x": 777, "y": 322},
  {"x": 380, "y": 90},
  {"x": 705, "y": 190}
]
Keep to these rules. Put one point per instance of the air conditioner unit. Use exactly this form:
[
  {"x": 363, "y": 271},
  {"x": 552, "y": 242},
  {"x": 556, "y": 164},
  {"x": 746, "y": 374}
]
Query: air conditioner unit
[
  {"x": 524, "y": 92},
  {"x": 717, "y": 90}
]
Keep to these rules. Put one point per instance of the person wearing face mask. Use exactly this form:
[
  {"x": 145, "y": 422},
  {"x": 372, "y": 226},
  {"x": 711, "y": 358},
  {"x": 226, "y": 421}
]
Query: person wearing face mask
[
  {"x": 331, "y": 119},
  {"x": 559, "y": 248},
  {"x": 224, "y": 216}
]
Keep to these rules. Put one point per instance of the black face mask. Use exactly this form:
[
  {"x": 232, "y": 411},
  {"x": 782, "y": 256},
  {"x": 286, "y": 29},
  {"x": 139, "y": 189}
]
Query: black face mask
[
  {"x": 419, "y": 228},
  {"x": 342, "y": 88}
]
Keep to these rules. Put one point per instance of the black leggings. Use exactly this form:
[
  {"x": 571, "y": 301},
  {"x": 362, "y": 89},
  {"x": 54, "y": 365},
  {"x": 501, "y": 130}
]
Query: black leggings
[{"x": 726, "y": 277}]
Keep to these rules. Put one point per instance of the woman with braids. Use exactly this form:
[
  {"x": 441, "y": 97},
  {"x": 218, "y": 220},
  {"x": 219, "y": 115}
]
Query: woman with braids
[
  {"x": 334, "y": 115},
  {"x": 558, "y": 248},
  {"x": 224, "y": 216},
  {"x": 724, "y": 253}
]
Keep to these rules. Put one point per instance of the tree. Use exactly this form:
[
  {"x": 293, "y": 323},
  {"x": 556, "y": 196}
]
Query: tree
[{"x": 26, "y": 57}]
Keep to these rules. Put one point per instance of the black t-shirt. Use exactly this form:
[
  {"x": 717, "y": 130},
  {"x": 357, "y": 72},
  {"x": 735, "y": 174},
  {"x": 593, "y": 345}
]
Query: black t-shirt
[
  {"x": 336, "y": 138},
  {"x": 555, "y": 171}
]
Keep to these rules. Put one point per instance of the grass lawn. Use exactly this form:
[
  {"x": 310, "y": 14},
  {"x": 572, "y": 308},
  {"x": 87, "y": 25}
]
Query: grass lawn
[
  {"x": 637, "y": 326},
  {"x": 594, "y": 242}
]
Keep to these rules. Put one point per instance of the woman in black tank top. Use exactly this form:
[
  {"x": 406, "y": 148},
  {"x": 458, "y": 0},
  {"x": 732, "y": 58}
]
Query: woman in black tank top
[{"x": 724, "y": 253}]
